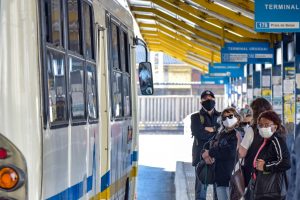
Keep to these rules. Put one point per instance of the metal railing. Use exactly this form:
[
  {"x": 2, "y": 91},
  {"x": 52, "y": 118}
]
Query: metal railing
[{"x": 168, "y": 112}]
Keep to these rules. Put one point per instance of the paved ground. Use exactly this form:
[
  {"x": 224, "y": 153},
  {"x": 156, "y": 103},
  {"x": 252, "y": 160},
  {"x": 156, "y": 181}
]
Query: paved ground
[
  {"x": 157, "y": 164},
  {"x": 158, "y": 156},
  {"x": 155, "y": 184}
]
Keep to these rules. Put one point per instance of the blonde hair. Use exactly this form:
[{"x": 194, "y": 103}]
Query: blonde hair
[
  {"x": 246, "y": 112},
  {"x": 235, "y": 113}
]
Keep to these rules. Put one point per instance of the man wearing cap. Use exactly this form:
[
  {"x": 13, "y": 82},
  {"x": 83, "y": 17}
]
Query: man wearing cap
[{"x": 204, "y": 126}]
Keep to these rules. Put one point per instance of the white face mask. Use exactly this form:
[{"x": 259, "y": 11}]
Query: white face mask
[
  {"x": 228, "y": 123},
  {"x": 247, "y": 126},
  {"x": 265, "y": 132}
]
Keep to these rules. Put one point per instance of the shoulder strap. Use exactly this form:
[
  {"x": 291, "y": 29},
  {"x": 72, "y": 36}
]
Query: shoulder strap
[
  {"x": 210, "y": 139},
  {"x": 237, "y": 160},
  {"x": 201, "y": 118}
]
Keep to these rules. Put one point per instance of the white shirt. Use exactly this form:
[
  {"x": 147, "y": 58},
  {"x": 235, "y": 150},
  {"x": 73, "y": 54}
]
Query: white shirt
[{"x": 248, "y": 138}]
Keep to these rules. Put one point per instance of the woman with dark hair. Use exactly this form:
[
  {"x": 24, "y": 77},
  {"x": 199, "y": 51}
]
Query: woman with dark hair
[
  {"x": 272, "y": 157},
  {"x": 252, "y": 140},
  {"x": 223, "y": 152}
]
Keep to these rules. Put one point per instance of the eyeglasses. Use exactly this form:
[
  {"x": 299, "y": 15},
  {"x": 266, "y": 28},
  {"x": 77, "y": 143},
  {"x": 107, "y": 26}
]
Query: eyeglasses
[
  {"x": 265, "y": 125},
  {"x": 229, "y": 117},
  {"x": 245, "y": 123}
]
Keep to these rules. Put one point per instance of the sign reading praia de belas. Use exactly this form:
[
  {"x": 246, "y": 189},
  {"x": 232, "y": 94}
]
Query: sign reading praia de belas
[
  {"x": 226, "y": 69},
  {"x": 277, "y": 15},
  {"x": 207, "y": 79},
  {"x": 247, "y": 52}
]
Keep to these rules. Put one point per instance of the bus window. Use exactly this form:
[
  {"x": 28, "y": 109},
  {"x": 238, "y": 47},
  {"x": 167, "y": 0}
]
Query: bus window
[
  {"x": 77, "y": 89},
  {"x": 117, "y": 94},
  {"x": 126, "y": 95},
  {"x": 91, "y": 92},
  {"x": 56, "y": 87},
  {"x": 88, "y": 31},
  {"x": 74, "y": 27},
  {"x": 115, "y": 46},
  {"x": 126, "y": 75},
  {"x": 124, "y": 52},
  {"x": 54, "y": 22}
]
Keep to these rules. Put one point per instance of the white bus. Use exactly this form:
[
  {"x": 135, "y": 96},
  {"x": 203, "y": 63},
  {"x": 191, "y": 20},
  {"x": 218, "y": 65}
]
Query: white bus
[{"x": 68, "y": 122}]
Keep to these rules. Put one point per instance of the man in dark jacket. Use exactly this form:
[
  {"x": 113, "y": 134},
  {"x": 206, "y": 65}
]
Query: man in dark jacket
[{"x": 204, "y": 126}]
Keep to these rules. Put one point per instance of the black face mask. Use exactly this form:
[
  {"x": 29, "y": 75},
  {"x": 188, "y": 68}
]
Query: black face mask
[{"x": 208, "y": 104}]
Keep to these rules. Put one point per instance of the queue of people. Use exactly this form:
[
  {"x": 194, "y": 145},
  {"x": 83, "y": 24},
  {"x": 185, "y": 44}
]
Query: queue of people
[{"x": 254, "y": 138}]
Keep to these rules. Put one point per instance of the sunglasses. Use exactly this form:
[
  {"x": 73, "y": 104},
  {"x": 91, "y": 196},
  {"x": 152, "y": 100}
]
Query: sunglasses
[
  {"x": 245, "y": 123},
  {"x": 229, "y": 117}
]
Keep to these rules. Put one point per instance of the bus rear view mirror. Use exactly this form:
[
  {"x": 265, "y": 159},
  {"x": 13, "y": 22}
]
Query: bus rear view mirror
[{"x": 145, "y": 78}]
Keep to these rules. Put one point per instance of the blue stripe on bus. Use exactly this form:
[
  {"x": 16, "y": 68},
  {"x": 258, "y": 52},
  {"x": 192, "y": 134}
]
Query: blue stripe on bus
[
  {"x": 105, "y": 181},
  {"x": 135, "y": 156},
  {"x": 89, "y": 183},
  {"x": 75, "y": 191}
]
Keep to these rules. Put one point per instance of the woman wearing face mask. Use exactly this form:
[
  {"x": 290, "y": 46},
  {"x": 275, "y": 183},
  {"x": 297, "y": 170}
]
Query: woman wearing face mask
[
  {"x": 246, "y": 120},
  {"x": 224, "y": 152},
  {"x": 273, "y": 155},
  {"x": 252, "y": 139}
]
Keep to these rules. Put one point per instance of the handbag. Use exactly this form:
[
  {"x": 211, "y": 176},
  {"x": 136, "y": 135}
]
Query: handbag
[
  {"x": 237, "y": 183},
  {"x": 249, "y": 193},
  {"x": 270, "y": 185},
  {"x": 205, "y": 173}
]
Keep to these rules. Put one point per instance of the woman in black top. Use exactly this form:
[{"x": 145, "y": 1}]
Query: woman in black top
[
  {"x": 272, "y": 157},
  {"x": 252, "y": 140},
  {"x": 223, "y": 152}
]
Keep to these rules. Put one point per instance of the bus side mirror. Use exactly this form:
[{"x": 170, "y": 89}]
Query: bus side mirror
[{"x": 145, "y": 78}]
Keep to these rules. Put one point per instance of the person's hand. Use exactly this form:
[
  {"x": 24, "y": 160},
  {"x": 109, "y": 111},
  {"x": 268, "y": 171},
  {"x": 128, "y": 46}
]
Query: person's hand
[
  {"x": 260, "y": 164},
  {"x": 209, "y": 160},
  {"x": 205, "y": 154},
  {"x": 209, "y": 129}
]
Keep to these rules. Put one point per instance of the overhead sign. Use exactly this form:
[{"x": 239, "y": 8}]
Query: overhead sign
[
  {"x": 207, "y": 79},
  {"x": 226, "y": 69},
  {"x": 277, "y": 15},
  {"x": 247, "y": 52}
]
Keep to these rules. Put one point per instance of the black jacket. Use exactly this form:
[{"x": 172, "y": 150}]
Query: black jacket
[
  {"x": 276, "y": 154},
  {"x": 199, "y": 121},
  {"x": 224, "y": 153}
]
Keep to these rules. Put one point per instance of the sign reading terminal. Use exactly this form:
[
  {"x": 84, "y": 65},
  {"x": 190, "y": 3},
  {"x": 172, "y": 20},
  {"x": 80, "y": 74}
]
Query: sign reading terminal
[{"x": 277, "y": 16}]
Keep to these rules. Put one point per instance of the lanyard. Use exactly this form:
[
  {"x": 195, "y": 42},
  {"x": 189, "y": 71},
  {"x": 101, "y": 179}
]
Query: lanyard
[{"x": 259, "y": 150}]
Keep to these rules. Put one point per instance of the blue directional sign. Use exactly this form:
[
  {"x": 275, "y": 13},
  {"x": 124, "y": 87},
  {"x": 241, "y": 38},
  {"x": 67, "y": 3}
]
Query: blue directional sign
[
  {"x": 277, "y": 15},
  {"x": 226, "y": 69},
  {"x": 207, "y": 79},
  {"x": 247, "y": 52}
]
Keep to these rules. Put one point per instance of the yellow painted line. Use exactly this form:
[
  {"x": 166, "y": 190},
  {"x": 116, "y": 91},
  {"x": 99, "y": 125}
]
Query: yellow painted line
[{"x": 116, "y": 186}]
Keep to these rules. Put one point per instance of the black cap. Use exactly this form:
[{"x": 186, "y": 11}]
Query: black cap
[{"x": 207, "y": 92}]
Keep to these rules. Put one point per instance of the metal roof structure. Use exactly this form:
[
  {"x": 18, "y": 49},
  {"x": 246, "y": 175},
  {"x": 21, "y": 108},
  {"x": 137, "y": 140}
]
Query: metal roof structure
[{"x": 194, "y": 31}]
